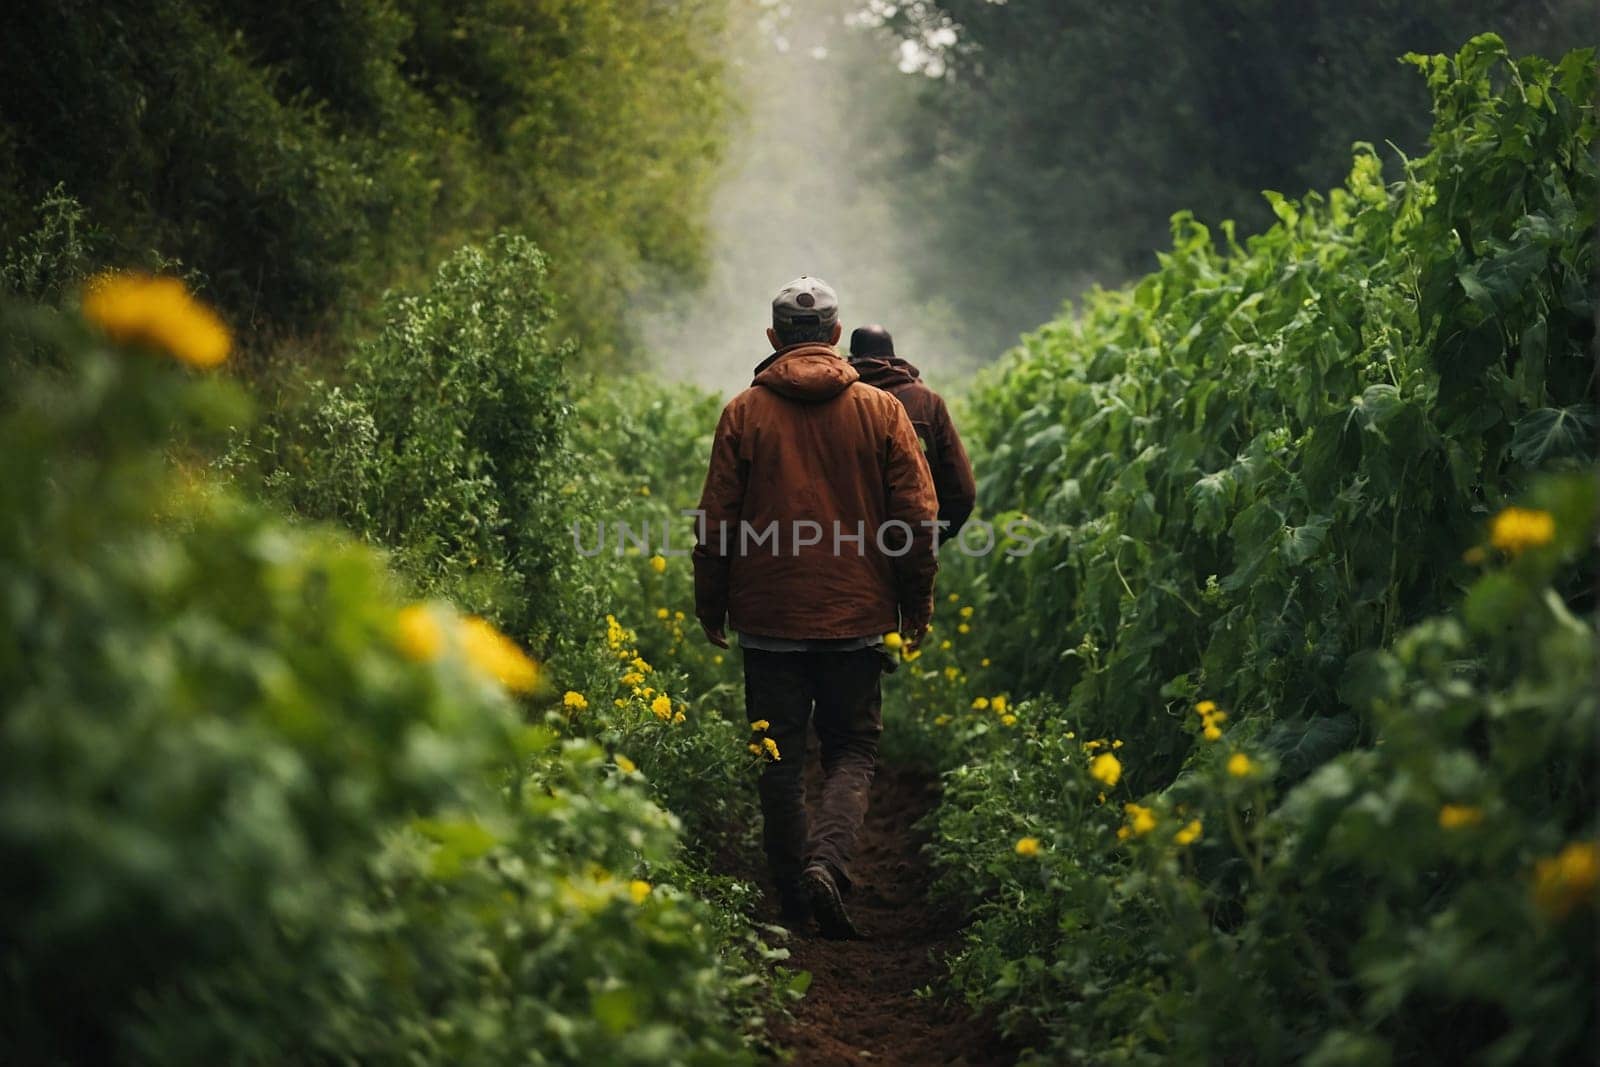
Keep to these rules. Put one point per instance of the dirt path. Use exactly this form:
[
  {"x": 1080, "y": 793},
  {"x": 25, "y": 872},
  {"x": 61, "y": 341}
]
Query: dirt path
[{"x": 863, "y": 1006}]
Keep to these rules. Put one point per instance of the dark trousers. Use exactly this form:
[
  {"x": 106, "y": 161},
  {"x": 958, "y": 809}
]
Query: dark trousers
[{"x": 842, "y": 687}]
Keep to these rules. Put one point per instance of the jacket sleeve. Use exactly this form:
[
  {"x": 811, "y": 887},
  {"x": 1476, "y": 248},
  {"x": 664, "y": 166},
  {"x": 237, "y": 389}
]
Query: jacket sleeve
[
  {"x": 909, "y": 493},
  {"x": 952, "y": 473},
  {"x": 721, "y": 506}
]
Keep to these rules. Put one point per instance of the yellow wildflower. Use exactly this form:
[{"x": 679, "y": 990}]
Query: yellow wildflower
[
  {"x": 619, "y": 703},
  {"x": 772, "y": 747},
  {"x": 717, "y": 659},
  {"x": 679, "y": 719},
  {"x": 893, "y": 641},
  {"x": 638, "y": 890},
  {"x": 1241, "y": 766},
  {"x": 678, "y": 616},
  {"x": 647, "y": 692},
  {"x": 912, "y": 656},
  {"x": 1456, "y": 816},
  {"x": 980, "y": 703},
  {"x": 1123, "y": 833},
  {"x": 966, "y": 612},
  {"x": 755, "y": 749},
  {"x": 1106, "y": 769},
  {"x": 496, "y": 655},
  {"x": 1474, "y": 555},
  {"x": 1141, "y": 820},
  {"x": 1008, "y": 720},
  {"x": 1188, "y": 835},
  {"x": 998, "y": 703},
  {"x": 1211, "y": 733},
  {"x": 953, "y": 597},
  {"x": 1205, "y": 707},
  {"x": 760, "y": 725},
  {"x": 1566, "y": 881},
  {"x": 1116, "y": 744},
  {"x": 624, "y": 764},
  {"x": 1515, "y": 530},
  {"x": 944, "y": 646},
  {"x": 159, "y": 313},
  {"x": 658, "y": 564},
  {"x": 663, "y": 613},
  {"x": 1027, "y": 846},
  {"x": 941, "y": 720},
  {"x": 963, "y": 629},
  {"x": 419, "y": 634},
  {"x": 640, "y": 665},
  {"x": 574, "y": 700},
  {"x": 633, "y": 678},
  {"x": 662, "y": 706},
  {"x": 984, "y": 662}
]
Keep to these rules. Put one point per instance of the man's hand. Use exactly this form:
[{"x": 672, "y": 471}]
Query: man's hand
[
  {"x": 913, "y": 633},
  {"x": 714, "y": 634}
]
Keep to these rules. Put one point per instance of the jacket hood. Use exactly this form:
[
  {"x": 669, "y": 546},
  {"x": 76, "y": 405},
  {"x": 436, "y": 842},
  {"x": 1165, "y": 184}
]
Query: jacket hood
[
  {"x": 885, "y": 372},
  {"x": 809, "y": 373}
]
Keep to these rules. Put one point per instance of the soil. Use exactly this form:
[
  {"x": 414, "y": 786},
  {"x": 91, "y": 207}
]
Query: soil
[{"x": 882, "y": 1000}]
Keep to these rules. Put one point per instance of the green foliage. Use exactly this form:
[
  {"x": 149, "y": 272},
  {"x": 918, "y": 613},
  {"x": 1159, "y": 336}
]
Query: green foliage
[
  {"x": 244, "y": 819},
  {"x": 1274, "y": 479},
  {"x": 446, "y": 443},
  {"x": 1259, "y": 461},
  {"x": 302, "y": 156}
]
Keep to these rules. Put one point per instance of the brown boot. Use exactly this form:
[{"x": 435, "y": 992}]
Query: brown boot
[{"x": 832, "y": 918}]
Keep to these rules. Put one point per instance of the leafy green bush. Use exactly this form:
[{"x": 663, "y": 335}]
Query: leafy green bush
[
  {"x": 1305, "y": 765},
  {"x": 1261, "y": 460},
  {"x": 446, "y": 443},
  {"x": 251, "y": 812}
]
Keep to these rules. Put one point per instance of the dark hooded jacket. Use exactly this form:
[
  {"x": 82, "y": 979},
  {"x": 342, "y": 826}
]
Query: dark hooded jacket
[
  {"x": 806, "y": 453},
  {"x": 947, "y": 459}
]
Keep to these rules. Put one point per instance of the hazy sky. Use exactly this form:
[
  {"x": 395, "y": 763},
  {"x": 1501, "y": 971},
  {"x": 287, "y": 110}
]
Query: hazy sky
[{"x": 797, "y": 196}]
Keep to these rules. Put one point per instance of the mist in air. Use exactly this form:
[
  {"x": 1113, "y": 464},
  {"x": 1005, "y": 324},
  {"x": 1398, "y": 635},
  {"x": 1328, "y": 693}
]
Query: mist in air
[{"x": 807, "y": 188}]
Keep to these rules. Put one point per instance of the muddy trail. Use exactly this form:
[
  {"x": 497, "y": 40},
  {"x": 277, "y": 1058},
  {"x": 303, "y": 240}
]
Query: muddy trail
[{"x": 864, "y": 1006}]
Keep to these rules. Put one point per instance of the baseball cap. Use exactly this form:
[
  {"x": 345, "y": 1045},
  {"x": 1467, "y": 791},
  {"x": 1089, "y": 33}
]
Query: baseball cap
[{"x": 803, "y": 300}]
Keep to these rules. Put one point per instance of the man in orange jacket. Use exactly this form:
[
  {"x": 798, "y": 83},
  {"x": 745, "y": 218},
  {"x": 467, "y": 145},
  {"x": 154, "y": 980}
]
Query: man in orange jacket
[{"x": 816, "y": 538}]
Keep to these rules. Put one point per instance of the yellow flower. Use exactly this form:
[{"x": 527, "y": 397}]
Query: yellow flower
[
  {"x": 963, "y": 629},
  {"x": 638, "y": 890},
  {"x": 1456, "y": 816},
  {"x": 658, "y": 564},
  {"x": 624, "y": 764},
  {"x": 1240, "y": 765},
  {"x": 159, "y": 313},
  {"x": 772, "y": 747},
  {"x": 632, "y": 678},
  {"x": 998, "y": 703},
  {"x": 893, "y": 641},
  {"x": 640, "y": 665},
  {"x": 1212, "y": 733},
  {"x": 644, "y": 490},
  {"x": 496, "y": 655},
  {"x": 662, "y": 706},
  {"x": 1116, "y": 744},
  {"x": 419, "y": 634},
  {"x": 647, "y": 692},
  {"x": 952, "y": 673},
  {"x": 760, "y": 725},
  {"x": 1008, "y": 720},
  {"x": 912, "y": 656},
  {"x": 754, "y": 748},
  {"x": 980, "y": 703},
  {"x": 1515, "y": 530},
  {"x": 944, "y": 646},
  {"x": 717, "y": 659},
  {"x": 663, "y": 613},
  {"x": 953, "y": 597},
  {"x": 984, "y": 662},
  {"x": 619, "y": 703},
  {"x": 966, "y": 612},
  {"x": 1027, "y": 846},
  {"x": 1566, "y": 881},
  {"x": 1205, "y": 707},
  {"x": 679, "y": 719},
  {"x": 575, "y": 700},
  {"x": 678, "y": 616},
  {"x": 1106, "y": 769},
  {"x": 1071, "y": 735},
  {"x": 1123, "y": 833},
  {"x": 1141, "y": 820},
  {"x": 1188, "y": 835},
  {"x": 941, "y": 720}
]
